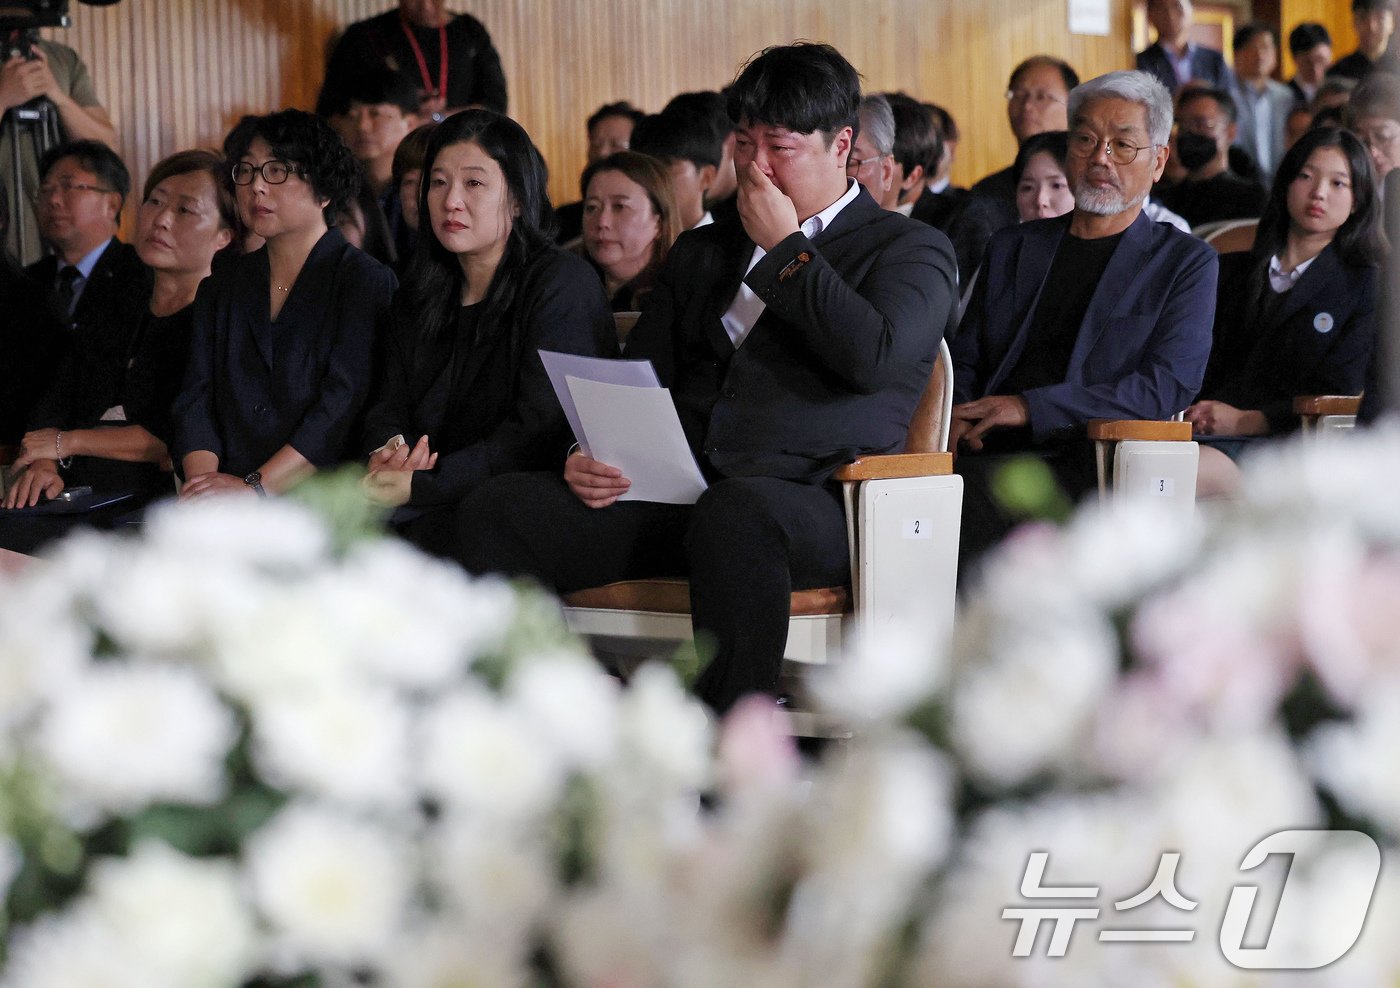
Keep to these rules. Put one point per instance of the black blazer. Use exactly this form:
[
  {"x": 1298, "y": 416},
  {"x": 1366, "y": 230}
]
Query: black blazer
[
  {"x": 1316, "y": 338},
  {"x": 104, "y": 321},
  {"x": 836, "y": 363},
  {"x": 254, "y": 386},
  {"x": 486, "y": 405}
]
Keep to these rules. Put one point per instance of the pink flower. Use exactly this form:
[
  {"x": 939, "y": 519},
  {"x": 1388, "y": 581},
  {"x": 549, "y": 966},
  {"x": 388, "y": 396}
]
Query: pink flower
[{"x": 754, "y": 747}]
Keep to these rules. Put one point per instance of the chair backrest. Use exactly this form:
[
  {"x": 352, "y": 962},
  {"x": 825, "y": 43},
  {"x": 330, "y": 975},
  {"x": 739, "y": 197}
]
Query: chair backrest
[
  {"x": 1236, "y": 235},
  {"x": 928, "y": 429}
]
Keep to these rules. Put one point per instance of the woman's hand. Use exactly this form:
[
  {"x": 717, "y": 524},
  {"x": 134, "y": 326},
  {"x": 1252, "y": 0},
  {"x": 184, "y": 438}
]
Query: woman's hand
[
  {"x": 595, "y": 484},
  {"x": 40, "y": 444},
  {"x": 402, "y": 457},
  {"x": 40, "y": 478},
  {"x": 391, "y": 488},
  {"x": 205, "y": 484},
  {"x": 1216, "y": 418}
]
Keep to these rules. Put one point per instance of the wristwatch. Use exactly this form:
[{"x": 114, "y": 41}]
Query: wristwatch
[{"x": 254, "y": 480}]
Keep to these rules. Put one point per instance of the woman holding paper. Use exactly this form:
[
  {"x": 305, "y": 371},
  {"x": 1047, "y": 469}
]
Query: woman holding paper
[{"x": 464, "y": 395}]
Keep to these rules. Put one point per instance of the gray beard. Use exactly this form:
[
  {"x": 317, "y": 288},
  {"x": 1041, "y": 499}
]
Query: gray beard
[{"x": 1108, "y": 202}]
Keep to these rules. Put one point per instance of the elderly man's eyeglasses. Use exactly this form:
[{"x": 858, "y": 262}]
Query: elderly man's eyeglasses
[
  {"x": 1120, "y": 152},
  {"x": 1037, "y": 96},
  {"x": 854, "y": 164},
  {"x": 1379, "y": 138},
  {"x": 273, "y": 172},
  {"x": 69, "y": 188}
]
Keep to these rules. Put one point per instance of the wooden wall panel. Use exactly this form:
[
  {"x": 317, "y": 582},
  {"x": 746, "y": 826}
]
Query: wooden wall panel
[
  {"x": 179, "y": 73},
  {"x": 1335, "y": 15}
]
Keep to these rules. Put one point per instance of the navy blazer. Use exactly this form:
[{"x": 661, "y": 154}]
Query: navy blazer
[
  {"x": 1315, "y": 339},
  {"x": 1207, "y": 65},
  {"x": 254, "y": 385},
  {"x": 486, "y": 405},
  {"x": 1142, "y": 349},
  {"x": 835, "y": 365}
]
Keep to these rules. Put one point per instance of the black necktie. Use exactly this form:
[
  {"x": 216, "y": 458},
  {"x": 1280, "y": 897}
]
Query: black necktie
[{"x": 68, "y": 279}]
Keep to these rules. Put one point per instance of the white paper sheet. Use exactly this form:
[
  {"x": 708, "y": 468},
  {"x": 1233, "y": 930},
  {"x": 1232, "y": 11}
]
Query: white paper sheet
[
  {"x": 636, "y": 373},
  {"x": 637, "y": 430}
]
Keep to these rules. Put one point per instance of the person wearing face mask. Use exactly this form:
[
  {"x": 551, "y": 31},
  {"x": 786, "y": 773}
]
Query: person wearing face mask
[
  {"x": 1210, "y": 191},
  {"x": 1374, "y": 21}
]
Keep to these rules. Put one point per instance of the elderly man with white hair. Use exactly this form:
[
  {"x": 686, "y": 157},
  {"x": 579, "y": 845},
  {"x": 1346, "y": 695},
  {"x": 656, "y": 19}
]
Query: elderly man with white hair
[
  {"x": 872, "y": 155},
  {"x": 1100, "y": 313}
]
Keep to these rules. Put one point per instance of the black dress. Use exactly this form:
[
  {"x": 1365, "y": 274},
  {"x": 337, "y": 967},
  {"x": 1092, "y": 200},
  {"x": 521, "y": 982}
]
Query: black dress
[{"x": 479, "y": 391}]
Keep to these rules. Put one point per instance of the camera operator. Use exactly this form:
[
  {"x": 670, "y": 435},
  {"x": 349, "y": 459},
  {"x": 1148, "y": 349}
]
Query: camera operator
[{"x": 32, "y": 68}]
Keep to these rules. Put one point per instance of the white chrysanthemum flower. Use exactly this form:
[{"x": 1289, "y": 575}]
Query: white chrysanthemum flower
[
  {"x": 665, "y": 735},
  {"x": 1359, "y": 762},
  {"x": 480, "y": 754},
  {"x": 44, "y": 645},
  {"x": 349, "y": 744},
  {"x": 884, "y": 672},
  {"x": 291, "y": 643},
  {"x": 1099, "y": 842},
  {"x": 417, "y": 621},
  {"x": 450, "y": 956},
  {"x": 164, "y": 604},
  {"x": 1349, "y": 479},
  {"x": 1028, "y": 706},
  {"x": 272, "y": 534},
  {"x": 183, "y": 918},
  {"x": 495, "y": 881},
  {"x": 879, "y": 820},
  {"x": 572, "y": 704},
  {"x": 1115, "y": 551},
  {"x": 126, "y": 735},
  {"x": 75, "y": 950},
  {"x": 334, "y": 890}
]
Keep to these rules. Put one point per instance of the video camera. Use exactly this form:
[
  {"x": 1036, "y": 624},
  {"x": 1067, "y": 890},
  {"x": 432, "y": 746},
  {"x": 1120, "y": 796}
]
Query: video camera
[{"x": 20, "y": 21}]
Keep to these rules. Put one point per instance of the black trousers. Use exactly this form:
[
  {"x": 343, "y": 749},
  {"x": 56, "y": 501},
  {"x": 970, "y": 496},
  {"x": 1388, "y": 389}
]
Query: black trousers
[
  {"x": 745, "y": 546},
  {"x": 985, "y": 520}
]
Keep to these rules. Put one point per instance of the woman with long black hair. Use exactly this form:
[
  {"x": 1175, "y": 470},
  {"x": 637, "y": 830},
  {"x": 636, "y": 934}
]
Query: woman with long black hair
[
  {"x": 464, "y": 395},
  {"x": 1296, "y": 314}
]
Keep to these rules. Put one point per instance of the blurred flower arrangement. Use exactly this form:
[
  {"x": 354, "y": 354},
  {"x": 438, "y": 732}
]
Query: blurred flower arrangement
[{"x": 244, "y": 751}]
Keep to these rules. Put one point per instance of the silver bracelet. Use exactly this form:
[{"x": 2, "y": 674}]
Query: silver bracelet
[{"x": 58, "y": 449}]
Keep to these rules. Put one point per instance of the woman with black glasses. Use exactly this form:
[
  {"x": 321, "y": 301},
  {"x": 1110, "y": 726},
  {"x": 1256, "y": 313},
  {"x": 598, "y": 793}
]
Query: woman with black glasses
[{"x": 283, "y": 337}]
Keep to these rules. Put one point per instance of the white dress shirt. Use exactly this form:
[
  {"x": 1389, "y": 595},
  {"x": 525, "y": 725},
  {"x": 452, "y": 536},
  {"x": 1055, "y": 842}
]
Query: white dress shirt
[{"x": 1280, "y": 280}]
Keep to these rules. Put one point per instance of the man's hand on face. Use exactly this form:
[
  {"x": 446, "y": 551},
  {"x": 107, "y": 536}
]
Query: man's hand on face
[{"x": 768, "y": 215}]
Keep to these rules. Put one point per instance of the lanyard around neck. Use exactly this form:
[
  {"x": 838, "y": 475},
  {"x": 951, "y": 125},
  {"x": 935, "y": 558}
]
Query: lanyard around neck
[{"x": 441, "y": 90}]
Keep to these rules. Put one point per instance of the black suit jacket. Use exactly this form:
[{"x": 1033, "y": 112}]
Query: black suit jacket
[
  {"x": 1317, "y": 338},
  {"x": 253, "y": 386},
  {"x": 836, "y": 363},
  {"x": 98, "y": 339},
  {"x": 486, "y": 405}
]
